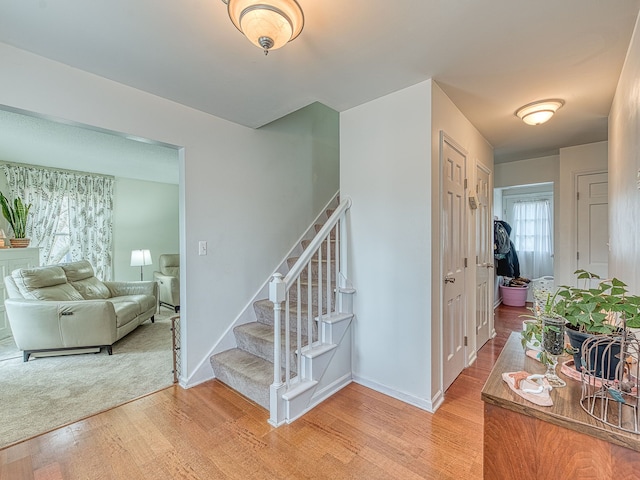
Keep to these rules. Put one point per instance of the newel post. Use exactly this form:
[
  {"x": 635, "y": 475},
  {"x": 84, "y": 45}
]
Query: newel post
[{"x": 277, "y": 294}]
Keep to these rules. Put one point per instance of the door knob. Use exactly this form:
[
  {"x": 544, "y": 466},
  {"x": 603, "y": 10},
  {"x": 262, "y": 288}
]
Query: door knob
[{"x": 449, "y": 280}]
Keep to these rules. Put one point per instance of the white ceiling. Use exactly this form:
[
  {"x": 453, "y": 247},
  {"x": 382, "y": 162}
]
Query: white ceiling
[{"x": 489, "y": 56}]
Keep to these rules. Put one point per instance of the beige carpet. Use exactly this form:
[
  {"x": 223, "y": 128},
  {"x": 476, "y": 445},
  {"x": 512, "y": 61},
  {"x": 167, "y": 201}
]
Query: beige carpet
[{"x": 46, "y": 393}]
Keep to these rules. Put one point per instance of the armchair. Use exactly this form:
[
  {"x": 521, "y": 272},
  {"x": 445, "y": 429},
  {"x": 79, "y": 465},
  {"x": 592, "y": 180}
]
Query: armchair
[{"x": 168, "y": 279}]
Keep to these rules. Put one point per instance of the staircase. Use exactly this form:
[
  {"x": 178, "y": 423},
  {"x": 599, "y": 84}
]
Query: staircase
[{"x": 314, "y": 340}]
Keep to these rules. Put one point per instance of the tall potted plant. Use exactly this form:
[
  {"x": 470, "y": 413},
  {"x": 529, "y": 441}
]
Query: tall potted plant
[{"x": 16, "y": 214}]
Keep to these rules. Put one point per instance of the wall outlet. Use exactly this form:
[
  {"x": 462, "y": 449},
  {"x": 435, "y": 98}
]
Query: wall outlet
[{"x": 202, "y": 247}]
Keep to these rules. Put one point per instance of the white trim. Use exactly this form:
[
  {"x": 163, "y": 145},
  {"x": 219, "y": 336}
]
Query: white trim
[{"x": 424, "y": 404}]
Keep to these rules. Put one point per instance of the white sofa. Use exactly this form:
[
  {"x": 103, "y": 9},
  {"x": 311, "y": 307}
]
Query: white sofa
[{"x": 65, "y": 307}]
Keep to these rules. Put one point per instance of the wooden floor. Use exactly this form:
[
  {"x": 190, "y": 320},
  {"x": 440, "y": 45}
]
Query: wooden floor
[{"x": 210, "y": 432}]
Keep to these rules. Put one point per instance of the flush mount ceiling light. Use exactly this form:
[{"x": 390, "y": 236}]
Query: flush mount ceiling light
[
  {"x": 268, "y": 24},
  {"x": 539, "y": 112}
]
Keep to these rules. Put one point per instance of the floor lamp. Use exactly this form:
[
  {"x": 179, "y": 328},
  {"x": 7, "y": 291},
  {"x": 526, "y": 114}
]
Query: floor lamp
[{"x": 140, "y": 258}]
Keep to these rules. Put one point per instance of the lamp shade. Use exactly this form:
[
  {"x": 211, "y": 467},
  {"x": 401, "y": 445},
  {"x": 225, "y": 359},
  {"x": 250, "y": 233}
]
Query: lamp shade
[
  {"x": 268, "y": 24},
  {"x": 140, "y": 258},
  {"x": 537, "y": 113}
]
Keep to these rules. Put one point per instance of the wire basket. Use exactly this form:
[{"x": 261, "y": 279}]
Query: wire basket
[
  {"x": 542, "y": 288},
  {"x": 610, "y": 379}
]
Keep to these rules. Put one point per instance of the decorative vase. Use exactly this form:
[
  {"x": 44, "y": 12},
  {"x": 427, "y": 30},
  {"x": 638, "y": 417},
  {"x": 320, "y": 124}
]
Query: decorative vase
[{"x": 19, "y": 242}]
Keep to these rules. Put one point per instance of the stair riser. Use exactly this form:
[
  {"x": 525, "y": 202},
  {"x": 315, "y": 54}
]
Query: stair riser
[
  {"x": 314, "y": 268},
  {"x": 264, "y": 315},
  {"x": 264, "y": 349},
  {"x": 305, "y": 244},
  {"x": 304, "y": 291},
  {"x": 256, "y": 392}
]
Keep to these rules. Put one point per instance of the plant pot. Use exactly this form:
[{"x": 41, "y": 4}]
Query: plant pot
[
  {"x": 514, "y": 296},
  {"x": 19, "y": 242},
  {"x": 603, "y": 353}
]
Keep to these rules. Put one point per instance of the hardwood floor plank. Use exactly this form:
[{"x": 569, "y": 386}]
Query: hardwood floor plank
[{"x": 212, "y": 432}]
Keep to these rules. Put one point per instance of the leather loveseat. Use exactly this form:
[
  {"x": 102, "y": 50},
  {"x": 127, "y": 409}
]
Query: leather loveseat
[{"x": 65, "y": 307}]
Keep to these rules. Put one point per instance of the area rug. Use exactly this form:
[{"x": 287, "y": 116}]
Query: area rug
[{"x": 46, "y": 393}]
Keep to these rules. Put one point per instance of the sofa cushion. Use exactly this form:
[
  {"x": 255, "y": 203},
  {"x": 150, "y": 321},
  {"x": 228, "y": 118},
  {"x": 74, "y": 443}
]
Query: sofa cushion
[
  {"x": 82, "y": 277},
  {"x": 126, "y": 310},
  {"x": 92, "y": 289},
  {"x": 44, "y": 283},
  {"x": 145, "y": 302},
  {"x": 76, "y": 271}
]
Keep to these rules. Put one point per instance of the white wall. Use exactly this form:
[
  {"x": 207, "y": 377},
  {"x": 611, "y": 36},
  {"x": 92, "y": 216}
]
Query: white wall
[
  {"x": 573, "y": 161},
  {"x": 145, "y": 215},
  {"x": 624, "y": 171},
  {"x": 389, "y": 151},
  {"x": 385, "y": 168},
  {"x": 447, "y": 118},
  {"x": 526, "y": 172},
  {"x": 246, "y": 192}
]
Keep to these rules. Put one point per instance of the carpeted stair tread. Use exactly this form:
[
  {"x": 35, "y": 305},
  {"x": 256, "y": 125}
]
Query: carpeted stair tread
[
  {"x": 264, "y": 315},
  {"x": 257, "y": 339},
  {"x": 248, "y": 374}
]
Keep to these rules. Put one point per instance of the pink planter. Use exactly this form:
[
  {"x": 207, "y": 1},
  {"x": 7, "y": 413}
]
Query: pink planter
[{"x": 514, "y": 296}]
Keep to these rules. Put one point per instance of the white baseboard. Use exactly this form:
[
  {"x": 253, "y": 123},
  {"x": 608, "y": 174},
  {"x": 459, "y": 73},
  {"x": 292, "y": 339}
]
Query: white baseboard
[{"x": 429, "y": 405}]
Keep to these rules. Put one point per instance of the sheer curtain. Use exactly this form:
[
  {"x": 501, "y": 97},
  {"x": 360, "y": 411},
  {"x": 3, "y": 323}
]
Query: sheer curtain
[
  {"x": 87, "y": 200},
  {"x": 532, "y": 237}
]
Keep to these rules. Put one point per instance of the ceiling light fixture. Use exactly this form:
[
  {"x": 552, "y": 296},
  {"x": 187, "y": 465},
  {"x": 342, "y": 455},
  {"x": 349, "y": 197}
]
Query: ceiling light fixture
[
  {"x": 268, "y": 24},
  {"x": 539, "y": 112}
]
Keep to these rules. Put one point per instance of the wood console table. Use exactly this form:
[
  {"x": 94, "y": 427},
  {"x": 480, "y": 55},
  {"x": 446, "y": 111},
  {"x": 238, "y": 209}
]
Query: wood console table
[{"x": 525, "y": 441}]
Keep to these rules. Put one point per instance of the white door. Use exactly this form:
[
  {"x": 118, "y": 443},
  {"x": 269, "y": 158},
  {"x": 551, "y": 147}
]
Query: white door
[
  {"x": 454, "y": 233},
  {"x": 484, "y": 257},
  {"x": 593, "y": 223}
]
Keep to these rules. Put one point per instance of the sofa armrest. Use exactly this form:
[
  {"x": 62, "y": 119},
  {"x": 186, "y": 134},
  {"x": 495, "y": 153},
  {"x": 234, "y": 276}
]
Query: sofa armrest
[
  {"x": 168, "y": 288},
  {"x": 119, "y": 289},
  {"x": 41, "y": 324}
]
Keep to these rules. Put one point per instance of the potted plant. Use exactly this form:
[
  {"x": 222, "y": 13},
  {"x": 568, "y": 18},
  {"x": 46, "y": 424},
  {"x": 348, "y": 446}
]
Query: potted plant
[
  {"x": 16, "y": 214},
  {"x": 542, "y": 310},
  {"x": 605, "y": 309}
]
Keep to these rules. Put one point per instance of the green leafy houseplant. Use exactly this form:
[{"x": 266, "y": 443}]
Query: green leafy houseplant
[
  {"x": 606, "y": 310},
  {"x": 598, "y": 310},
  {"x": 16, "y": 214},
  {"x": 532, "y": 333}
]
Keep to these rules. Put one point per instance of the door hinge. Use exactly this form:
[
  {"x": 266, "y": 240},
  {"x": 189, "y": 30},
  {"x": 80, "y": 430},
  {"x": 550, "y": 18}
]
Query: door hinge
[
  {"x": 577, "y": 255},
  {"x": 465, "y": 183},
  {"x": 466, "y": 341},
  {"x": 465, "y": 263},
  {"x": 577, "y": 195}
]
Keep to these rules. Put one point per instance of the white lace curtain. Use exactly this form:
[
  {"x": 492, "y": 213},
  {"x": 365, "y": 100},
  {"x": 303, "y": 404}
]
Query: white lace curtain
[
  {"x": 90, "y": 206},
  {"x": 532, "y": 237}
]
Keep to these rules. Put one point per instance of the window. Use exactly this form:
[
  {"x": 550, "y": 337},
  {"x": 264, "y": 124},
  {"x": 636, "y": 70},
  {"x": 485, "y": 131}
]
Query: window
[
  {"x": 72, "y": 214},
  {"x": 532, "y": 236}
]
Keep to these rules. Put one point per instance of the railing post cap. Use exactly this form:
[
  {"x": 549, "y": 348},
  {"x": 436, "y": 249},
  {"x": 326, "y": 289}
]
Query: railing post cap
[{"x": 277, "y": 289}]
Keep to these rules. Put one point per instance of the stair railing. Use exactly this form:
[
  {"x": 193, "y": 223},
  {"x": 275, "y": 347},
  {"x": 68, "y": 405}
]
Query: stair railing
[{"x": 328, "y": 280}]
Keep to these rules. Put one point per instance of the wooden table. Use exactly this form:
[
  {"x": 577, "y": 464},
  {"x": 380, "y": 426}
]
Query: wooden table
[{"x": 525, "y": 441}]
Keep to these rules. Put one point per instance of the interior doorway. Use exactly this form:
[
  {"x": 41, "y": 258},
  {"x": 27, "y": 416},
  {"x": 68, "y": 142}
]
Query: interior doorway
[{"x": 529, "y": 210}]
